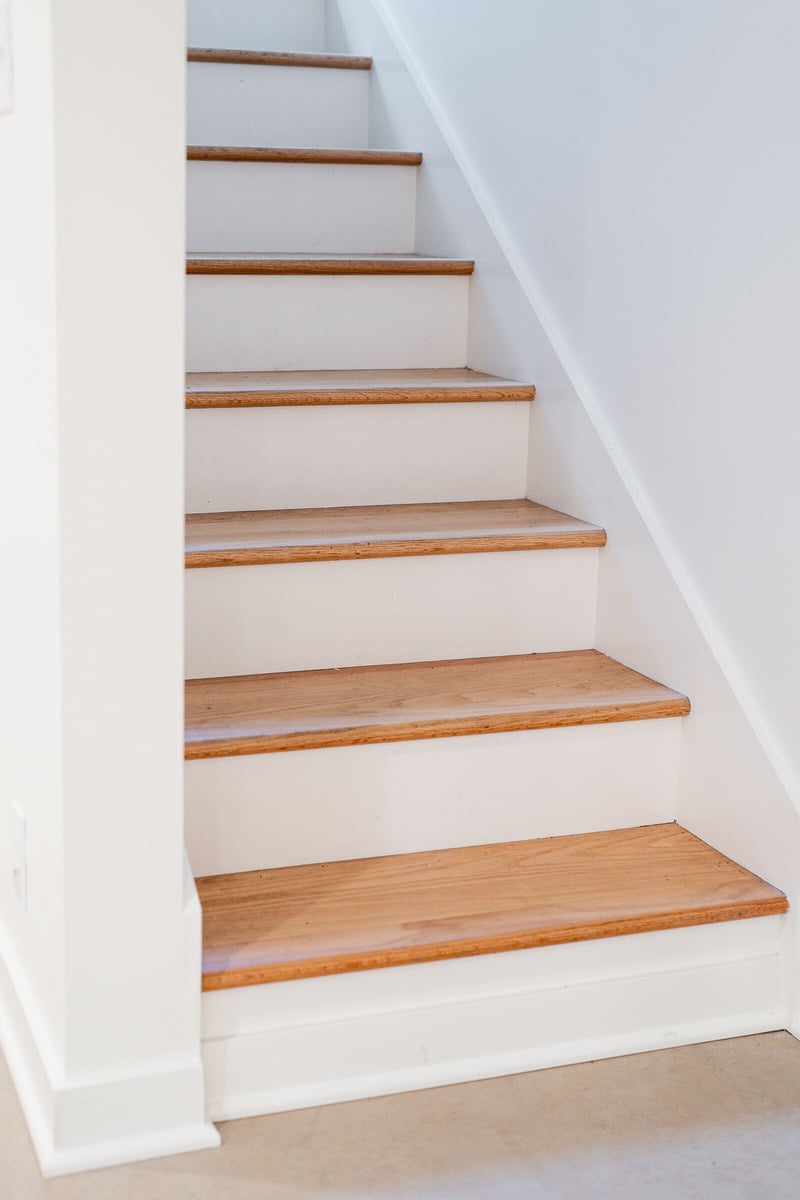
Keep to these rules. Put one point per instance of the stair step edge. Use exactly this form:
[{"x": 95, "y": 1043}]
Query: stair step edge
[
  {"x": 279, "y": 58},
  {"x": 267, "y": 389},
  {"x": 230, "y": 264},
  {"x": 330, "y": 918},
  {"x": 304, "y": 154},
  {"x": 382, "y": 531},
  {"x": 352, "y": 706}
]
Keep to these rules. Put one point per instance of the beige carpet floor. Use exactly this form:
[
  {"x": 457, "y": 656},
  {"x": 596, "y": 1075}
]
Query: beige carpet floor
[{"x": 718, "y": 1120}]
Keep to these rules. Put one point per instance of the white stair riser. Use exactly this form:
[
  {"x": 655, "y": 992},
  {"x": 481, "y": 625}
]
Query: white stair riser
[
  {"x": 266, "y": 810},
  {"x": 275, "y": 1047},
  {"x": 354, "y": 454},
  {"x": 325, "y": 322},
  {"x": 233, "y": 105},
  {"x": 317, "y": 208},
  {"x": 301, "y": 616},
  {"x": 267, "y": 25}
]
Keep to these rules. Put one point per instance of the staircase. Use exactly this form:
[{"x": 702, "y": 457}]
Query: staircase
[{"x": 403, "y": 749}]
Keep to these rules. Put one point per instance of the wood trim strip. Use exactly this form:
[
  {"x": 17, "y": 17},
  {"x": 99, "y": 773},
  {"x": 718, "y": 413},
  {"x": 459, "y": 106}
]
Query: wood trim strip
[
  {"x": 355, "y": 706},
  {"x": 277, "y": 399},
  {"x": 279, "y": 58},
  {"x": 258, "y": 389},
  {"x": 276, "y": 265},
  {"x": 282, "y": 399},
  {"x": 335, "y": 917},
  {"x": 296, "y": 154},
  {"x": 381, "y": 531}
]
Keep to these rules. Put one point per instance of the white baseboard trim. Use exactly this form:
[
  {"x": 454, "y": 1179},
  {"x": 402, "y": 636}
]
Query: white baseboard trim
[
  {"x": 203, "y": 1136},
  {"x": 25, "y": 1056},
  {"x": 78, "y": 1127},
  {"x": 373, "y": 1045},
  {"x": 364, "y": 1087}
]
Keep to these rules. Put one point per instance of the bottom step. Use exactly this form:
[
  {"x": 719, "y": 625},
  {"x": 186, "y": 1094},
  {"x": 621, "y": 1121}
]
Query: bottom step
[
  {"x": 329, "y": 918},
  {"x": 281, "y": 1046}
]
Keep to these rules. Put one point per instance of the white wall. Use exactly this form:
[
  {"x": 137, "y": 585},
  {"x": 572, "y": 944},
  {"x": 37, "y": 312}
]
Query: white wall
[
  {"x": 104, "y": 962},
  {"x": 99, "y": 1002},
  {"x": 641, "y": 160},
  {"x": 425, "y": 96},
  {"x": 31, "y": 942}
]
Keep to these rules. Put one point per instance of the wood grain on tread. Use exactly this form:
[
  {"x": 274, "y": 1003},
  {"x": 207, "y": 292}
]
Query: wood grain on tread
[
  {"x": 290, "y": 154},
  {"x": 327, "y": 918},
  {"x": 279, "y": 58},
  {"x": 325, "y": 264},
  {"x": 380, "y": 531},
  {"x": 301, "y": 710},
  {"x": 261, "y": 389}
]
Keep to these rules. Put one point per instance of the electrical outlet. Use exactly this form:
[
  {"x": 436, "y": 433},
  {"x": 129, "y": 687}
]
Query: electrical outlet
[
  {"x": 6, "y": 65},
  {"x": 19, "y": 852}
]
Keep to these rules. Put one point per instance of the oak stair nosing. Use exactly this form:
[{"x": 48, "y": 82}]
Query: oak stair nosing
[
  {"x": 393, "y": 702},
  {"x": 265, "y": 390},
  {"x": 323, "y": 265},
  {"x": 381, "y": 531},
  {"x": 304, "y": 154},
  {"x": 279, "y": 58},
  {"x": 362, "y": 914}
]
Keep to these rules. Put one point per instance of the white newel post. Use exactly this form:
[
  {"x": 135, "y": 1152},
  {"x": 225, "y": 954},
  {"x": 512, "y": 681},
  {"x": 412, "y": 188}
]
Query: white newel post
[{"x": 100, "y": 992}]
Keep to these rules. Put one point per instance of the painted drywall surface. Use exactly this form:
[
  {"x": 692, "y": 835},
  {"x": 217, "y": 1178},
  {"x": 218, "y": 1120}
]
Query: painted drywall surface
[
  {"x": 257, "y": 24},
  {"x": 120, "y": 297},
  {"x": 91, "y": 616},
  {"x": 641, "y": 160},
  {"x": 729, "y": 791},
  {"x": 32, "y": 939}
]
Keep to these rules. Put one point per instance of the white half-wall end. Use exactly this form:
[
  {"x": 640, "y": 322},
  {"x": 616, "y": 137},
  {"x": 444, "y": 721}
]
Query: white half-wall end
[{"x": 102, "y": 1122}]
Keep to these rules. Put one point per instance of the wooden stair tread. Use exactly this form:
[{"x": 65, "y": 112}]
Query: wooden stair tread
[
  {"x": 304, "y": 154},
  {"x": 300, "y": 710},
  {"x": 258, "y": 389},
  {"x": 380, "y": 531},
  {"x": 207, "y": 263},
  {"x": 279, "y": 58},
  {"x": 327, "y": 918}
]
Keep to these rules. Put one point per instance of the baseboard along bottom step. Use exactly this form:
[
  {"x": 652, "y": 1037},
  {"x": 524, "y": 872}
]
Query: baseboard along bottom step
[{"x": 329, "y": 918}]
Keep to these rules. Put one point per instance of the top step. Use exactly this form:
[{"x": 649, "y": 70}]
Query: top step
[{"x": 279, "y": 58}]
